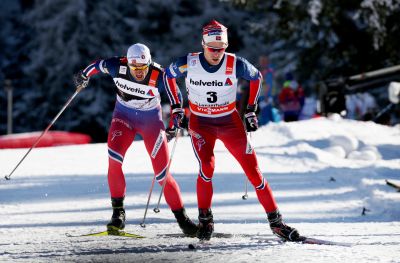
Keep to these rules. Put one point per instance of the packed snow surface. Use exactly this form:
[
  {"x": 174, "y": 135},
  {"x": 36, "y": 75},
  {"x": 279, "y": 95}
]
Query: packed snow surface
[{"x": 327, "y": 175}]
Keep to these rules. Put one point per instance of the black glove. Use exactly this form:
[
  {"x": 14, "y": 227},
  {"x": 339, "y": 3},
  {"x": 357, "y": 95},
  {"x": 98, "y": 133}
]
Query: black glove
[
  {"x": 80, "y": 80},
  {"x": 251, "y": 118},
  {"x": 177, "y": 115},
  {"x": 170, "y": 133}
]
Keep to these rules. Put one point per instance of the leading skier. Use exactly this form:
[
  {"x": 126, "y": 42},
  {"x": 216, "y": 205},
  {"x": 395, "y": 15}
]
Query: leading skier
[
  {"x": 211, "y": 82},
  {"x": 139, "y": 82}
]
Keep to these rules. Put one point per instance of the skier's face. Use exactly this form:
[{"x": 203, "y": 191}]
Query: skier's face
[
  {"x": 139, "y": 71},
  {"x": 214, "y": 52}
]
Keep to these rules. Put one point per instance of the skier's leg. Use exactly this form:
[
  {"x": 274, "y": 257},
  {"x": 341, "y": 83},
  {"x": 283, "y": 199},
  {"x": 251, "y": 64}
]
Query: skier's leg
[
  {"x": 156, "y": 145},
  {"x": 203, "y": 142},
  {"x": 203, "y": 145},
  {"x": 120, "y": 137},
  {"x": 235, "y": 140}
]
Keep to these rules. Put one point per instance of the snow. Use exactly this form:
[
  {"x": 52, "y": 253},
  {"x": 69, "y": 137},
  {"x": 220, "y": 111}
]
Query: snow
[{"x": 322, "y": 193}]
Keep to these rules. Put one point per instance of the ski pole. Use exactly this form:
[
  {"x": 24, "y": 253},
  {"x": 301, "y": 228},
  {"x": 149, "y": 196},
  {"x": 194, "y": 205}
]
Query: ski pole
[
  {"x": 245, "y": 196},
  {"x": 148, "y": 201},
  {"x": 8, "y": 177},
  {"x": 142, "y": 224},
  {"x": 156, "y": 209}
]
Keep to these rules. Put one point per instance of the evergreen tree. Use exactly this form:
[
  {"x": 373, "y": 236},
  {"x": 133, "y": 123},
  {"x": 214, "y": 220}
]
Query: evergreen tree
[{"x": 322, "y": 39}]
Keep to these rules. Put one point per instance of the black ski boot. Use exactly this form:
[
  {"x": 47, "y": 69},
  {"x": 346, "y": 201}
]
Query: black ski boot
[
  {"x": 185, "y": 223},
  {"x": 280, "y": 229},
  {"x": 117, "y": 221},
  {"x": 206, "y": 224}
]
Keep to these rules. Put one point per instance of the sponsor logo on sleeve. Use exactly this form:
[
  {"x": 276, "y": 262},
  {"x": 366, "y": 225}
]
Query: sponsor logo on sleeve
[
  {"x": 122, "y": 70},
  {"x": 253, "y": 71},
  {"x": 172, "y": 71}
]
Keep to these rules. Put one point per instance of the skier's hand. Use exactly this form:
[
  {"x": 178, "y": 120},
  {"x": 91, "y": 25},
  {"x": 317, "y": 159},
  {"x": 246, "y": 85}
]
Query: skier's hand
[
  {"x": 177, "y": 115},
  {"x": 251, "y": 118},
  {"x": 80, "y": 80},
  {"x": 170, "y": 133}
]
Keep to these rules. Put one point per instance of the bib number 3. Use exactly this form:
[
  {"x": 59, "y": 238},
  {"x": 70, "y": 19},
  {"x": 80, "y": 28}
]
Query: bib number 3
[{"x": 212, "y": 96}]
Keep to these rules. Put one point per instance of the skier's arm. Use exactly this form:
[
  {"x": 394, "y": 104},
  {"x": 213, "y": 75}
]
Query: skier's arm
[
  {"x": 107, "y": 66},
  {"x": 162, "y": 88},
  {"x": 247, "y": 71},
  {"x": 177, "y": 69}
]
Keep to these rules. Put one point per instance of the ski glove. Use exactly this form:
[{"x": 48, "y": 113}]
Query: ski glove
[
  {"x": 177, "y": 115},
  {"x": 251, "y": 118},
  {"x": 80, "y": 80},
  {"x": 170, "y": 133}
]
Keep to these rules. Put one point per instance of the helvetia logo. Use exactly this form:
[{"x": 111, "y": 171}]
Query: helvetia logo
[
  {"x": 127, "y": 88},
  {"x": 228, "y": 82},
  {"x": 206, "y": 83},
  {"x": 150, "y": 93}
]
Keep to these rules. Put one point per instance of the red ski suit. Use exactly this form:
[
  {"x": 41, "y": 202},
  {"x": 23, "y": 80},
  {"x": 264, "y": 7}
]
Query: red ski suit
[
  {"x": 212, "y": 97},
  {"x": 137, "y": 111}
]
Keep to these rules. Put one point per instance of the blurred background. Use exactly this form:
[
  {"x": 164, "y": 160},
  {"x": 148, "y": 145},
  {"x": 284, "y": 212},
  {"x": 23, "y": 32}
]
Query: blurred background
[{"x": 317, "y": 57}]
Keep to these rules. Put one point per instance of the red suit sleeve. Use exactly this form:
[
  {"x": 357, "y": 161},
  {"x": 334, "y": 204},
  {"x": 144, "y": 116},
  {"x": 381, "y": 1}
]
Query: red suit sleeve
[{"x": 255, "y": 89}]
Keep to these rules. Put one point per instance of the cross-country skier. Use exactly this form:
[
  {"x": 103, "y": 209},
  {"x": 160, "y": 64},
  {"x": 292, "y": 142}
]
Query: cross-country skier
[
  {"x": 211, "y": 82},
  {"x": 139, "y": 82}
]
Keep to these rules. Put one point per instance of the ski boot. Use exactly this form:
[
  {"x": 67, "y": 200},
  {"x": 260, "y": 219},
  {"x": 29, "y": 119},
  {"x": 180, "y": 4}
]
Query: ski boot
[
  {"x": 185, "y": 223},
  {"x": 280, "y": 229},
  {"x": 117, "y": 221},
  {"x": 206, "y": 224}
]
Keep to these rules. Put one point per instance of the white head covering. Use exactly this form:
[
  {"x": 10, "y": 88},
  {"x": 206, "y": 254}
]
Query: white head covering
[
  {"x": 215, "y": 32},
  {"x": 138, "y": 54}
]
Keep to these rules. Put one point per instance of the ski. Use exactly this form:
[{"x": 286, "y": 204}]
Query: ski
[
  {"x": 203, "y": 244},
  {"x": 395, "y": 186},
  {"x": 181, "y": 235},
  {"x": 108, "y": 233},
  {"x": 315, "y": 241}
]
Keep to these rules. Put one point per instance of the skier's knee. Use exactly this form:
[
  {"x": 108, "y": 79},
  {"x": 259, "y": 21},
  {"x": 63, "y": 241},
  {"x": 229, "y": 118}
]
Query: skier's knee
[
  {"x": 204, "y": 178},
  {"x": 115, "y": 156}
]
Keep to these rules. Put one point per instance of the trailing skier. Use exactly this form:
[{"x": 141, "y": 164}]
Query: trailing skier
[{"x": 139, "y": 82}]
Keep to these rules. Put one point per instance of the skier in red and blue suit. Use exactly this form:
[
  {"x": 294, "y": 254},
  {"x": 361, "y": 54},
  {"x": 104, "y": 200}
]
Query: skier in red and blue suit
[
  {"x": 211, "y": 83},
  {"x": 139, "y": 82}
]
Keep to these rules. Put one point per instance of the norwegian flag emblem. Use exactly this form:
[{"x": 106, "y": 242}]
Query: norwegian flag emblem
[{"x": 218, "y": 37}]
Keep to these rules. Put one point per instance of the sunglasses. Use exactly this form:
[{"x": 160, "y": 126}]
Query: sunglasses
[
  {"x": 144, "y": 67},
  {"x": 215, "y": 49}
]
